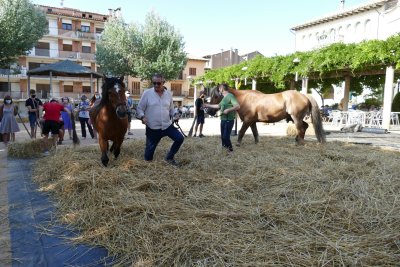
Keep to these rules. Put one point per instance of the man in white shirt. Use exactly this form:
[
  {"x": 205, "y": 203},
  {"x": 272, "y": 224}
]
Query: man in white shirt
[{"x": 155, "y": 110}]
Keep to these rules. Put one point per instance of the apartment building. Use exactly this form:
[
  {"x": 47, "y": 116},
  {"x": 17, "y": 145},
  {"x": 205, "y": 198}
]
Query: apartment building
[
  {"x": 72, "y": 35},
  {"x": 228, "y": 58},
  {"x": 183, "y": 89}
]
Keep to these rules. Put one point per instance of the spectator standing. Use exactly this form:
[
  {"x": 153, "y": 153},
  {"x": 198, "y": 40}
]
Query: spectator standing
[
  {"x": 94, "y": 101},
  {"x": 200, "y": 114},
  {"x": 84, "y": 108},
  {"x": 155, "y": 110},
  {"x": 129, "y": 106},
  {"x": 66, "y": 117},
  {"x": 8, "y": 125},
  {"x": 52, "y": 112},
  {"x": 228, "y": 107},
  {"x": 33, "y": 104}
]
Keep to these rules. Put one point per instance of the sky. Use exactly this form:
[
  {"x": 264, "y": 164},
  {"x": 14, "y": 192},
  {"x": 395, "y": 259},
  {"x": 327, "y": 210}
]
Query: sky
[{"x": 207, "y": 26}]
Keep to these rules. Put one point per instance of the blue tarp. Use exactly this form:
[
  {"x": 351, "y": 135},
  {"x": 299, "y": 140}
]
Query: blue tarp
[{"x": 31, "y": 211}]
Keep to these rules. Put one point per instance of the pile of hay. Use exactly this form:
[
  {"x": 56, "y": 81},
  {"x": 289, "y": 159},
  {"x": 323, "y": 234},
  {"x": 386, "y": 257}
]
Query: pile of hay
[
  {"x": 27, "y": 149},
  {"x": 273, "y": 203}
]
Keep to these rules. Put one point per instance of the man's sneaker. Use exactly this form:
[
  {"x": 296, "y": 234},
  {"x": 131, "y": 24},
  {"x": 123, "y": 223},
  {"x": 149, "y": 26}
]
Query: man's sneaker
[
  {"x": 201, "y": 135},
  {"x": 129, "y": 133},
  {"x": 172, "y": 162},
  {"x": 46, "y": 153}
]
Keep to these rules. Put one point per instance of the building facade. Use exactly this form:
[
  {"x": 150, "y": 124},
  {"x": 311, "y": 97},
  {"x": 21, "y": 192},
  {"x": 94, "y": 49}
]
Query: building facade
[
  {"x": 72, "y": 35},
  {"x": 183, "y": 88},
  {"x": 375, "y": 19}
]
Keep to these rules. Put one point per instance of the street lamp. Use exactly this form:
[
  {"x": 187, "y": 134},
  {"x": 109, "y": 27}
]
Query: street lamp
[{"x": 296, "y": 62}]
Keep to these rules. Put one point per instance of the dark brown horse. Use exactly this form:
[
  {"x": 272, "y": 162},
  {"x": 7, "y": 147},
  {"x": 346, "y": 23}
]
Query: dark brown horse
[
  {"x": 109, "y": 117},
  {"x": 259, "y": 107}
]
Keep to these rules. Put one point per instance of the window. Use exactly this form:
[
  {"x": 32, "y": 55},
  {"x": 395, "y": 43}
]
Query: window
[
  {"x": 99, "y": 30},
  {"x": 68, "y": 88},
  {"x": 42, "y": 49},
  {"x": 3, "y": 87},
  {"x": 67, "y": 26},
  {"x": 86, "y": 49},
  {"x": 85, "y": 28},
  {"x": 86, "y": 89},
  {"x": 368, "y": 29},
  {"x": 176, "y": 89},
  {"x": 192, "y": 71},
  {"x": 67, "y": 47},
  {"x": 34, "y": 65},
  {"x": 136, "y": 88},
  {"x": 42, "y": 90}
]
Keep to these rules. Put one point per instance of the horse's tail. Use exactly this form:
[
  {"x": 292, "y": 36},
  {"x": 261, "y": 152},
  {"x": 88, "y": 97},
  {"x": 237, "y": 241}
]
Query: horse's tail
[
  {"x": 75, "y": 139},
  {"x": 317, "y": 120}
]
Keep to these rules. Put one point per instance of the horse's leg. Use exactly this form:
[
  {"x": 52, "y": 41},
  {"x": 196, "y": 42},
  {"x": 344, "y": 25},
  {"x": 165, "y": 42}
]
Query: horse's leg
[
  {"x": 255, "y": 132},
  {"x": 301, "y": 131},
  {"x": 117, "y": 147},
  {"x": 103, "y": 147},
  {"x": 242, "y": 131}
]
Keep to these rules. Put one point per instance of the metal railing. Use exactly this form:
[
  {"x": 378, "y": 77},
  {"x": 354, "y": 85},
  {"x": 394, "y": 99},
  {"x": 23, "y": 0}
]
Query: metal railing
[
  {"x": 73, "y": 34},
  {"x": 61, "y": 54}
]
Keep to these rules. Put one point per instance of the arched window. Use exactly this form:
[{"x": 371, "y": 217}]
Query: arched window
[
  {"x": 341, "y": 34},
  {"x": 368, "y": 29},
  {"x": 358, "y": 30},
  {"x": 349, "y": 34},
  {"x": 332, "y": 36}
]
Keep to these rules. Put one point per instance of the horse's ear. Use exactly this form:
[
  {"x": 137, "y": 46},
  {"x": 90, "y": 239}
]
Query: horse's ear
[{"x": 121, "y": 78}]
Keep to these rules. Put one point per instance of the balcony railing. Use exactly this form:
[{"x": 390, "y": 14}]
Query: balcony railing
[
  {"x": 61, "y": 54},
  {"x": 42, "y": 52},
  {"x": 74, "y": 34}
]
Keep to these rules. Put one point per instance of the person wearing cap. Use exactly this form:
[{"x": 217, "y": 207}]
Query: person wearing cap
[
  {"x": 200, "y": 114},
  {"x": 83, "y": 115},
  {"x": 52, "y": 112},
  {"x": 155, "y": 110},
  {"x": 129, "y": 107}
]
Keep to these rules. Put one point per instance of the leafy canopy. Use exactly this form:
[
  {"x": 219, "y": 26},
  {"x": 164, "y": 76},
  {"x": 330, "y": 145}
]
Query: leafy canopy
[
  {"x": 21, "y": 26},
  {"x": 141, "y": 50},
  {"x": 319, "y": 65}
]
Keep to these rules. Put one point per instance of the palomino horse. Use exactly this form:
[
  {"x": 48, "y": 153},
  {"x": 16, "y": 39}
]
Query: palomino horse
[
  {"x": 109, "y": 117},
  {"x": 259, "y": 107}
]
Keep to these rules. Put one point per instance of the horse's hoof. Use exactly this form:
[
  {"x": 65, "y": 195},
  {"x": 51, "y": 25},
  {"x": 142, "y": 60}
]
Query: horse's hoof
[
  {"x": 300, "y": 143},
  {"x": 105, "y": 162},
  {"x": 238, "y": 144}
]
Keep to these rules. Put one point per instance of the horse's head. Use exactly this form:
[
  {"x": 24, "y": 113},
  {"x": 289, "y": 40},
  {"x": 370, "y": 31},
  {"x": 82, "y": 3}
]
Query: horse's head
[
  {"x": 113, "y": 93},
  {"x": 215, "y": 97}
]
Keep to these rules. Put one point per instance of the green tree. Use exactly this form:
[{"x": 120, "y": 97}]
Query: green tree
[
  {"x": 21, "y": 26},
  {"x": 142, "y": 50},
  {"x": 114, "y": 50}
]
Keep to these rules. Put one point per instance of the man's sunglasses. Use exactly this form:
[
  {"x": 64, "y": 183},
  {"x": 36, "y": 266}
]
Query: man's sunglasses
[{"x": 157, "y": 83}]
